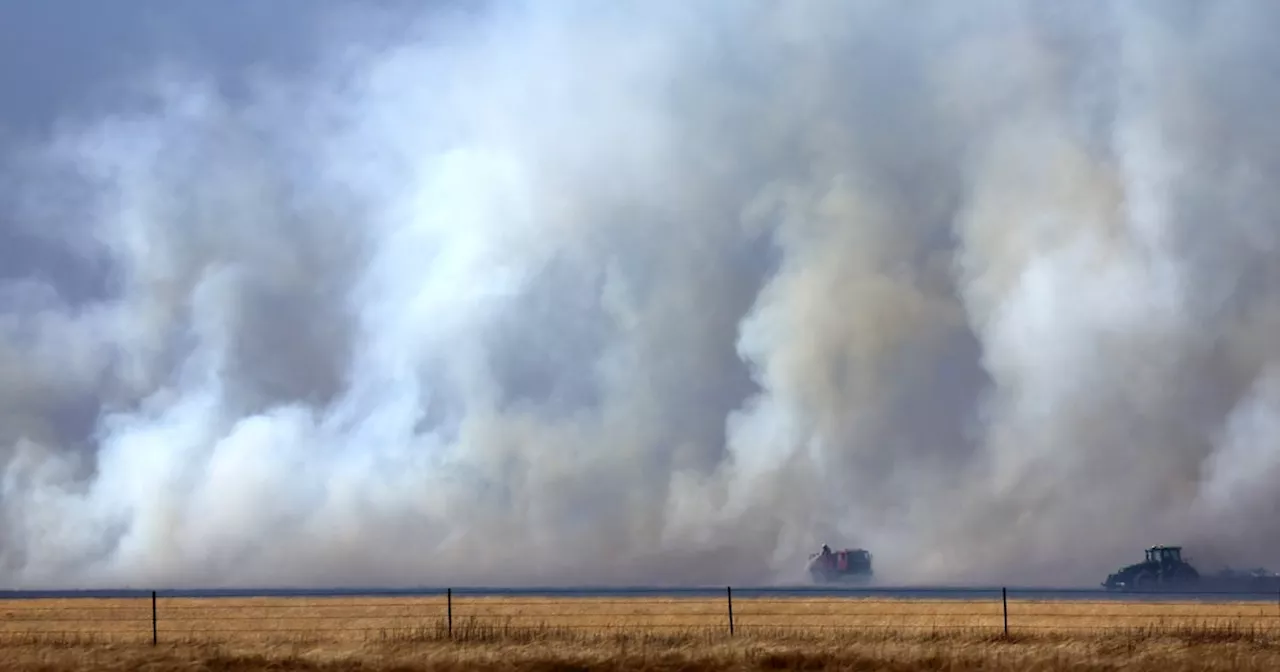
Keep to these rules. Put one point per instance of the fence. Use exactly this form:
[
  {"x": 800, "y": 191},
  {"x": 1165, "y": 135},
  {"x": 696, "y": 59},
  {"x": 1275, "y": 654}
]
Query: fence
[{"x": 488, "y": 615}]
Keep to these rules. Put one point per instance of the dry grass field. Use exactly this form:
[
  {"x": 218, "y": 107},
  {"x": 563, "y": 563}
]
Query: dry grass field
[{"x": 524, "y": 633}]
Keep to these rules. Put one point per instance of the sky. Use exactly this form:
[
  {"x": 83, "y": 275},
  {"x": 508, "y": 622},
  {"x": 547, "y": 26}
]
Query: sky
[{"x": 336, "y": 292}]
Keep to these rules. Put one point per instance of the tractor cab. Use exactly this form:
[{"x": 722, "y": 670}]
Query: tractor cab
[{"x": 1164, "y": 556}]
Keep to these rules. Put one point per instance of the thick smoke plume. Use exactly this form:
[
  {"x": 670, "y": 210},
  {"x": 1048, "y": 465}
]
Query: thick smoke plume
[{"x": 657, "y": 292}]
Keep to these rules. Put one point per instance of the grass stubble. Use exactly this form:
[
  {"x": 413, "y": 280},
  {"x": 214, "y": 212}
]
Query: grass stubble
[{"x": 657, "y": 635}]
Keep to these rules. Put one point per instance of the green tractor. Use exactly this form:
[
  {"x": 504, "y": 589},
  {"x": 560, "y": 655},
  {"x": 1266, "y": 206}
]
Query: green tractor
[{"x": 1164, "y": 569}]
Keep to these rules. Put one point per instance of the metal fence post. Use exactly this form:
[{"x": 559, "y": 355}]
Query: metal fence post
[
  {"x": 728, "y": 590},
  {"x": 449, "y": 598},
  {"x": 155, "y": 633},
  {"x": 1004, "y": 601}
]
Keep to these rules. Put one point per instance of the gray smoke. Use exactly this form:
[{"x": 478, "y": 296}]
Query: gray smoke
[{"x": 561, "y": 292}]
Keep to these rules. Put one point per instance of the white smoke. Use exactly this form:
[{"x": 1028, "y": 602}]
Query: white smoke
[{"x": 659, "y": 292}]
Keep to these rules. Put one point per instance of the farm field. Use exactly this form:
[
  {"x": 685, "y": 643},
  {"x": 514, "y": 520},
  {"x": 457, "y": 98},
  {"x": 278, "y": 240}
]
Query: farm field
[{"x": 527, "y": 633}]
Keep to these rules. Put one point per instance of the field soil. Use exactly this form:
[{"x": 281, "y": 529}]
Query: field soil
[{"x": 640, "y": 634}]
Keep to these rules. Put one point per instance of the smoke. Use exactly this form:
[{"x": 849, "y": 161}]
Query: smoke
[{"x": 656, "y": 293}]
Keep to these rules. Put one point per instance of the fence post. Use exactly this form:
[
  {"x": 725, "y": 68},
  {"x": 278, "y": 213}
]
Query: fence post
[
  {"x": 155, "y": 638},
  {"x": 449, "y": 597},
  {"x": 1004, "y": 601},
  {"x": 728, "y": 590}
]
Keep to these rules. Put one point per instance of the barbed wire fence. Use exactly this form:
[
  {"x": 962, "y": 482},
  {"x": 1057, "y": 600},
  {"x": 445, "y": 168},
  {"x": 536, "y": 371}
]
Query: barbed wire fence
[{"x": 478, "y": 615}]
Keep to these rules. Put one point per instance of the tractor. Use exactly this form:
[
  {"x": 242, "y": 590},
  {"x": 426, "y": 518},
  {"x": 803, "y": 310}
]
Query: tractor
[
  {"x": 842, "y": 566},
  {"x": 1163, "y": 568}
]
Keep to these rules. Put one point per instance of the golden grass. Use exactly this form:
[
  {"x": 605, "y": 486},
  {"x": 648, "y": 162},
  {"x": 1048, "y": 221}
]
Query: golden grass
[{"x": 637, "y": 633}]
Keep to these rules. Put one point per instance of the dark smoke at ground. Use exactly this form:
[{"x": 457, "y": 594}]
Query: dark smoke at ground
[{"x": 637, "y": 292}]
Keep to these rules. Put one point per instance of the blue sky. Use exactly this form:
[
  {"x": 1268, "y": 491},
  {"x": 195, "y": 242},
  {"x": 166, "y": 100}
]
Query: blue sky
[{"x": 59, "y": 56}]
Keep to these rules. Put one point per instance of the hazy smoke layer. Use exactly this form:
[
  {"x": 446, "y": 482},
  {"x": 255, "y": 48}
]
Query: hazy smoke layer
[{"x": 640, "y": 291}]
